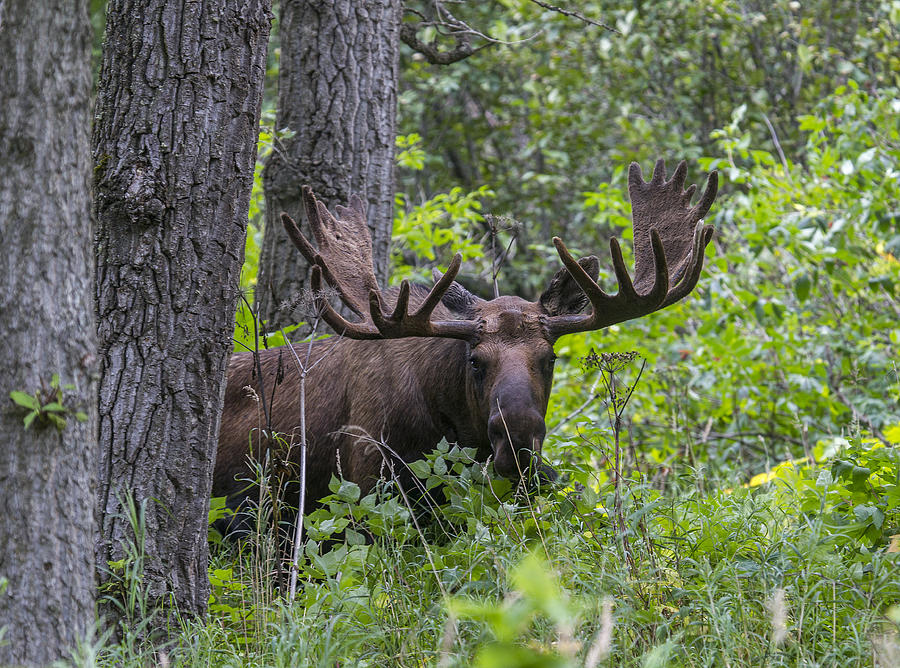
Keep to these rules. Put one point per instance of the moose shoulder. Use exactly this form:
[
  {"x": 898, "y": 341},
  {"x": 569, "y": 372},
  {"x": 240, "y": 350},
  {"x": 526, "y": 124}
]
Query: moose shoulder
[{"x": 420, "y": 365}]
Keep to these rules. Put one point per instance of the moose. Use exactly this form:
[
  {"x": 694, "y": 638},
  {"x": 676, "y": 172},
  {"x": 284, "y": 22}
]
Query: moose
[{"x": 420, "y": 364}]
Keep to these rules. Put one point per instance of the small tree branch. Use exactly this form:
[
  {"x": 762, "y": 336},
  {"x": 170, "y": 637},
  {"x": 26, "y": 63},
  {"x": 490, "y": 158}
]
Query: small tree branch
[
  {"x": 575, "y": 15},
  {"x": 447, "y": 25},
  {"x": 433, "y": 55},
  {"x": 305, "y": 367}
]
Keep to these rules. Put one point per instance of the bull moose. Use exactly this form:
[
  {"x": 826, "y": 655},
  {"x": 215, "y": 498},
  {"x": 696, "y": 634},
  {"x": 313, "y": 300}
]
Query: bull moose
[{"x": 420, "y": 365}]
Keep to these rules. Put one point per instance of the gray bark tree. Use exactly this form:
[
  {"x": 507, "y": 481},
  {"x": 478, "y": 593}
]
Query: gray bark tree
[
  {"x": 174, "y": 145},
  {"x": 47, "y": 472},
  {"x": 337, "y": 91}
]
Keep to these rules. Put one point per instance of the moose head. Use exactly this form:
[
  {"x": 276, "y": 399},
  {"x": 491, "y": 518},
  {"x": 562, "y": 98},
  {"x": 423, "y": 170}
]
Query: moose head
[{"x": 505, "y": 357}]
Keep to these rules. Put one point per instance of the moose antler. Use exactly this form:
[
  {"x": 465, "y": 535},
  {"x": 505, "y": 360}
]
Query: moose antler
[
  {"x": 344, "y": 259},
  {"x": 669, "y": 241}
]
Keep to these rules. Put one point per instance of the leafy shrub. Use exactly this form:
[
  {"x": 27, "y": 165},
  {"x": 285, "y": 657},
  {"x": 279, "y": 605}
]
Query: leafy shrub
[{"x": 792, "y": 335}]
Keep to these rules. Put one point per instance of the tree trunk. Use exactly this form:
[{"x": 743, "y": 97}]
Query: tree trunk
[
  {"x": 337, "y": 91},
  {"x": 47, "y": 472},
  {"x": 174, "y": 149}
]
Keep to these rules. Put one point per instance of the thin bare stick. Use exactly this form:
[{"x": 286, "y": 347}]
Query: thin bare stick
[
  {"x": 301, "y": 506},
  {"x": 494, "y": 269},
  {"x": 784, "y": 164},
  {"x": 513, "y": 238},
  {"x": 634, "y": 384},
  {"x": 615, "y": 408},
  {"x": 497, "y": 260},
  {"x": 256, "y": 361},
  {"x": 575, "y": 15},
  {"x": 450, "y": 634}
]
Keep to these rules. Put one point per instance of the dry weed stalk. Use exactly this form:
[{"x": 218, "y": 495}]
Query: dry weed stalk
[
  {"x": 304, "y": 367},
  {"x": 609, "y": 365}
]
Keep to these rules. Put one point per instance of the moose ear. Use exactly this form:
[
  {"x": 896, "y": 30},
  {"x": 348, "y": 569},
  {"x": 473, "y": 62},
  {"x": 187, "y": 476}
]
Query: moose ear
[
  {"x": 563, "y": 296},
  {"x": 457, "y": 298}
]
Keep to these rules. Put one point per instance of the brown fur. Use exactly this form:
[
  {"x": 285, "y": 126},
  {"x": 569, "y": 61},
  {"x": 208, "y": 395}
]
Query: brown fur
[{"x": 407, "y": 393}]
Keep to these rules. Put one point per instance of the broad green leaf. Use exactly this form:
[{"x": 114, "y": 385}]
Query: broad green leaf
[{"x": 25, "y": 400}]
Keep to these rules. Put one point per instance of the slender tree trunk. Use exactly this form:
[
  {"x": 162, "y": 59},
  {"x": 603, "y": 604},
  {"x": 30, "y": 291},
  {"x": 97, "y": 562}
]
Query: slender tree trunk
[
  {"x": 337, "y": 91},
  {"x": 174, "y": 149},
  {"x": 47, "y": 472}
]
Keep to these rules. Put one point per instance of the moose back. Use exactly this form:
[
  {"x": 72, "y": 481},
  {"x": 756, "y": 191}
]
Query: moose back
[{"x": 419, "y": 365}]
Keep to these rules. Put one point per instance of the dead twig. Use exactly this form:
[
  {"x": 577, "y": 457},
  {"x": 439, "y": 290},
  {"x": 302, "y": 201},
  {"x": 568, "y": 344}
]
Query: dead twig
[
  {"x": 304, "y": 367},
  {"x": 575, "y": 15},
  {"x": 609, "y": 364},
  {"x": 447, "y": 25}
]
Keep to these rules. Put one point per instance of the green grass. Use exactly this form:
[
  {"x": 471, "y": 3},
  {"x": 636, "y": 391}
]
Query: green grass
[{"x": 797, "y": 571}]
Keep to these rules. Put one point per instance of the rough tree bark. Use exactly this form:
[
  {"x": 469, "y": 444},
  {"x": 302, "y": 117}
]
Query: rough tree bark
[
  {"x": 337, "y": 91},
  {"x": 174, "y": 149},
  {"x": 47, "y": 474}
]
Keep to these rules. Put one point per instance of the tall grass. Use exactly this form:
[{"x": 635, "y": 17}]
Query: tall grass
[{"x": 728, "y": 577}]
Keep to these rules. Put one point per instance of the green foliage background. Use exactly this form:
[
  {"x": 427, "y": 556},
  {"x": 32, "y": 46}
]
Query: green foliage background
[
  {"x": 756, "y": 518},
  {"x": 792, "y": 336}
]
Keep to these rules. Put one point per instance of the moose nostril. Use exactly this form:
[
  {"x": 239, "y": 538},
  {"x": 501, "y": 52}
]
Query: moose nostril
[
  {"x": 496, "y": 429},
  {"x": 525, "y": 431}
]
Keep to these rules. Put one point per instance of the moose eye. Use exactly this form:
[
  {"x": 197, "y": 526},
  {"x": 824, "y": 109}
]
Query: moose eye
[{"x": 478, "y": 365}]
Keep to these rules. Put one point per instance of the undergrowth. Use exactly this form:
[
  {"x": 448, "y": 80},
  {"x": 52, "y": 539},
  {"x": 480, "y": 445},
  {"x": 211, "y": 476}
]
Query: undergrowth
[{"x": 800, "y": 569}]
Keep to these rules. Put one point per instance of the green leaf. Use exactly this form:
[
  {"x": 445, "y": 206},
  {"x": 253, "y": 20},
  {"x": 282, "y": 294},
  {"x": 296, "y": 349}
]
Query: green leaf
[
  {"x": 217, "y": 509},
  {"x": 841, "y": 468},
  {"x": 117, "y": 565},
  {"x": 510, "y": 655},
  {"x": 25, "y": 400},
  {"x": 348, "y": 491},
  {"x": 860, "y": 475},
  {"x": 327, "y": 528},
  {"x": 420, "y": 468},
  {"x": 802, "y": 286},
  {"x": 354, "y": 537}
]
